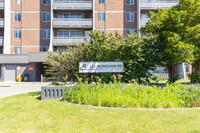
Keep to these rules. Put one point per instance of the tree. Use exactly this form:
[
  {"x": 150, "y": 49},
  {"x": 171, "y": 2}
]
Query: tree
[
  {"x": 178, "y": 31},
  {"x": 139, "y": 55}
]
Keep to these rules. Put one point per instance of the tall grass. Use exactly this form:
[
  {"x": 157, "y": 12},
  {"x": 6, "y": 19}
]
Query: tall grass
[{"x": 121, "y": 95}]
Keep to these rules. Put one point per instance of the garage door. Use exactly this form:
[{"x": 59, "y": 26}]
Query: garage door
[{"x": 10, "y": 73}]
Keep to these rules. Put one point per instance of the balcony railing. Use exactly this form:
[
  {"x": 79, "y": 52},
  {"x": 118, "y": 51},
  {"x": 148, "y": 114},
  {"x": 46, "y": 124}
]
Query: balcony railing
[
  {"x": 1, "y": 40},
  {"x": 1, "y": 4},
  {"x": 63, "y": 41},
  {"x": 72, "y": 23},
  {"x": 72, "y": 4},
  {"x": 1, "y": 22},
  {"x": 154, "y": 4}
]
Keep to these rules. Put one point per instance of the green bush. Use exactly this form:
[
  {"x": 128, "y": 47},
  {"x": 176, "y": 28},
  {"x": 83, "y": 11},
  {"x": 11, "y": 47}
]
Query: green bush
[
  {"x": 155, "y": 78},
  {"x": 138, "y": 53},
  {"x": 173, "y": 78},
  {"x": 195, "y": 78},
  {"x": 122, "y": 95}
]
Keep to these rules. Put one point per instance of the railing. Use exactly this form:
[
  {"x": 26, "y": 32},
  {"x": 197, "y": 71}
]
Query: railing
[
  {"x": 1, "y": 19},
  {"x": 72, "y": 38},
  {"x": 72, "y": 19},
  {"x": 1, "y": 1},
  {"x": 159, "y": 1},
  {"x": 166, "y": 75},
  {"x": 72, "y": 1}
]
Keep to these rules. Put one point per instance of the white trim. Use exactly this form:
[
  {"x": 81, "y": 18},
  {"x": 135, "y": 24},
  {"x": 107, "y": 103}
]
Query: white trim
[
  {"x": 29, "y": 46},
  {"x": 93, "y": 15},
  {"x": 116, "y": 29},
  {"x": 7, "y": 27},
  {"x": 31, "y": 28},
  {"x": 28, "y": 11},
  {"x": 116, "y": 11},
  {"x": 51, "y": 29},
  {"x": 138, "y": 16}
]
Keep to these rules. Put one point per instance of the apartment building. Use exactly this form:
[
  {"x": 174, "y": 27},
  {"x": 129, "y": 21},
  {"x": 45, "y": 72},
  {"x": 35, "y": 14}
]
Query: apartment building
[{"x": 30, "y": 28}]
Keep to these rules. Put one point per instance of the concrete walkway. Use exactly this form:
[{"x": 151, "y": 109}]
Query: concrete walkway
[{"x": 9, "y": 89}]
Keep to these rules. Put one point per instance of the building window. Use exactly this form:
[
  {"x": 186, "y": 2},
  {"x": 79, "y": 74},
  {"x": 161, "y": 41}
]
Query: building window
[
  {"x": 46, "y": 16},
  {"x": 129, "y": 17},
  {"x": 73, "y": 34},
  {"x": 129, "y": 2},
  {"x": 187, "y": 68},
  {"x": 18, "y": 50},
  {"x": 17, "y": 2},
  {"x": 46, "y": 2},
  {"x": 70, "y": 15},
  {"x": 44, "y": 48},
  {"x": 46, "y": 34},
  {"x": 129, "y": 32},
  {"x": 101, "y": 30},
  {"x": 17, "y": 17},
  {"x": 17, "y": 33},
  {"x": 101, "y": 17},
  {"x": 101, "y": 2}
]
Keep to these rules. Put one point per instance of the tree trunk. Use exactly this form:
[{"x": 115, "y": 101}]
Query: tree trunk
[{"x": 171, "y": 70}]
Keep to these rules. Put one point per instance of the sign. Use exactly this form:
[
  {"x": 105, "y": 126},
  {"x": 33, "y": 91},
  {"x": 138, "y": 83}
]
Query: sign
[
  {"x": 30, "y": 68},
  {"x": 101, "y": 67}
]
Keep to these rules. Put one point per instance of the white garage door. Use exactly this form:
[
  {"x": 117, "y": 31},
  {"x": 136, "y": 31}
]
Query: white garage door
[{"x": 10, "y": 73}]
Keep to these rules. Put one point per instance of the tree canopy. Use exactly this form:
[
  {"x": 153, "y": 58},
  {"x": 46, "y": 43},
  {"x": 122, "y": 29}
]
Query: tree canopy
[{"x": 178, "y": 32}]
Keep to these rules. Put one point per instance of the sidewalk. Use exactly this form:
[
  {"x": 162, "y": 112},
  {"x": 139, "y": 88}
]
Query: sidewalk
[{"x": 9, "y": 89}]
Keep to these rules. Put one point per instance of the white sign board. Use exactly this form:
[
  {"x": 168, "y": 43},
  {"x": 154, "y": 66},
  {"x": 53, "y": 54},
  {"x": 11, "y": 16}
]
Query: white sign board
[{"x": 101, "y": 67}]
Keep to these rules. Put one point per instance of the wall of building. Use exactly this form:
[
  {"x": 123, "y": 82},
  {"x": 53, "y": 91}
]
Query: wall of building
[
  {"x": 31, "y": 26},
  {"x": 115, "y": 16}
]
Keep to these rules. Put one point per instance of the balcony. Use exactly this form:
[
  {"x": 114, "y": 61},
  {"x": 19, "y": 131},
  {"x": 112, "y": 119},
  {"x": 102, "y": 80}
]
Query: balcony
[
  {"x": 72, "y": 23},
  {"x": 1, "y": 4},
  {"x": 1, "y": 22},
  {"x": 72, "y": 5},
  {"x": 154, "y": 4},
  {"x": 63, "y": 41},
  {"x": 143, "y": 22},
  {"x": 1, "y": 41}
]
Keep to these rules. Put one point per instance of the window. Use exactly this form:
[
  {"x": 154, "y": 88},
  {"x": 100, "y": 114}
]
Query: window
[
  {"x": 17, "y": 33},
  {"x": 130, "y": 2},
  {"x": 70, "y": 15},
  {"x": 44, "y": 48},
  {"x": 46, "y": 16},
  {"x": 17, "y": 17},
  {"x": 102, "y": 30},
  {"x": 129, "y": 17},
  {"x": 46, "y": 2},
  {"x": 70, "y": 34},
  {"x": 46, "y": 34},
  {"x": 17, "y": 2},
  {"x": 18, "y": 50},
  {"x": 101, "y": 17},
  {"x": 187, "y": 68},
  {"x": 101, "y": 2},
  {"x": 129, "y": 32}
]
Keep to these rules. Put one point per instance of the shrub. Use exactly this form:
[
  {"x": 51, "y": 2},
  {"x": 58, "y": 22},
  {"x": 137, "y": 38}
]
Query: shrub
[
  {"x": 139, "y": 55},
  {"x": 122, "y": 95},
  {"x": 155, "y": 78},
  {"x": 173, "y": 78},
  {"x": 195, "y": 78}
]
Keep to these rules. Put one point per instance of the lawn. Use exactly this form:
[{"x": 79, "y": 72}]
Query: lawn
[{"x": 26, "y": 113}]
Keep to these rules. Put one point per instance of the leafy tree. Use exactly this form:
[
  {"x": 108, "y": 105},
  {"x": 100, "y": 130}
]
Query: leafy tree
[
  {"x": 139, "y": 55},
  {"x": 177, "y": 31}
]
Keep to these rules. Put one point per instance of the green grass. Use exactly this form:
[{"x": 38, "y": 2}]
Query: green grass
[{"x": 25, "y": 113}]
